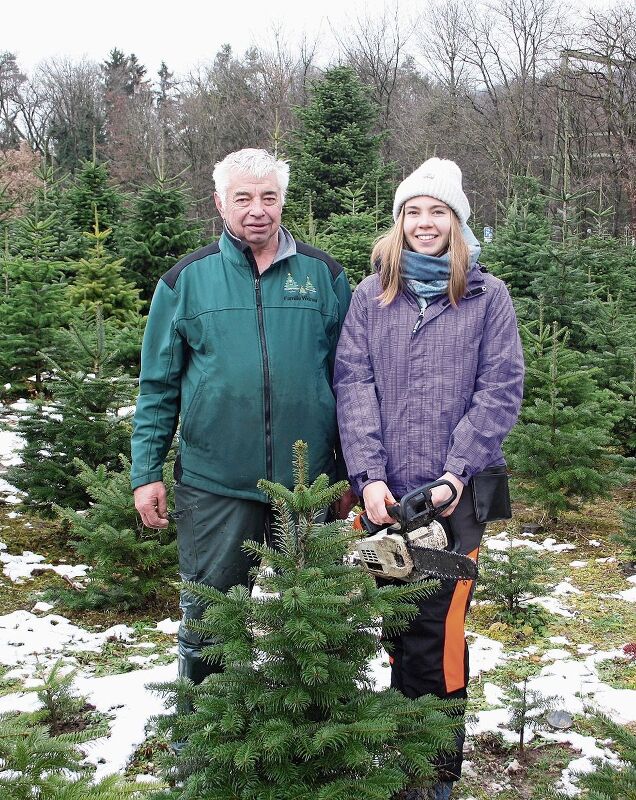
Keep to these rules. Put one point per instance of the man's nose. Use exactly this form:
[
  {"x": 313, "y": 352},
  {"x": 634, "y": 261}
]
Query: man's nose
[{"x": 256, "y": 208}]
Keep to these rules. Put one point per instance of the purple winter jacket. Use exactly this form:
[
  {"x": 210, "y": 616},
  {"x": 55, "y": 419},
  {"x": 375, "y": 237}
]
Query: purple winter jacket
[{"x": 422, "y": 395}]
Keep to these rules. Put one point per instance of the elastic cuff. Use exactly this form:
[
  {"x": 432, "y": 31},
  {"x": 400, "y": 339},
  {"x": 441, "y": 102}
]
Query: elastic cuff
[
  {"x": 459, "y": 469},
  {"x": 367, "y": 477},
  {"x": 149, "y": 477}
]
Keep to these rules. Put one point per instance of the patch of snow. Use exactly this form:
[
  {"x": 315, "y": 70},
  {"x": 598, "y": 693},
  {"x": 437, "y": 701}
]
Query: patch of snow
[
  {"x": 28, "y": 640},
  {"x": 578, "y": 563},
  {"x": 552, "y": 546},
  {"x": 555, "y": 655},
  {"x": 18, "y": 568},
  {"x": 558, "y": 640},
  {"x": 594, "y": 543},
  {"x": 565, "y": 587},
  {"x": 552, "y": 605},
  {"x": 10, "y": 445},
  {"x": 41, "y": 606},
  {"x": 143, "y": 660},
  {"x": 608, "y": 560},
  {"x": 494, "y": 695},
  {"x": 168, "y": 626},
  {"x": 629, "y": 595},
  {"x": 485, "y": 654}
]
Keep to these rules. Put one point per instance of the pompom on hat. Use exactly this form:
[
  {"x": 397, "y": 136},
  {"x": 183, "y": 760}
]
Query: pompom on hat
[{"x": 439, "y": 178}]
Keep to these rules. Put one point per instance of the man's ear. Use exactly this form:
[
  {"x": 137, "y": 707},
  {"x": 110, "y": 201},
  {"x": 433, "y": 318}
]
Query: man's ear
[{"x": 219, "y": 204}]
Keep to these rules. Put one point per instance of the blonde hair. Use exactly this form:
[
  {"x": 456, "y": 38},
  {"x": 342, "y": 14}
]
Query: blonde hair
[{"x": 387, "y": 255}]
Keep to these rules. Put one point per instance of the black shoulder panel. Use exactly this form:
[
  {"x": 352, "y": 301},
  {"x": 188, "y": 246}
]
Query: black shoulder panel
[
  {"x": 173, "y": 273},
  {"x": 482, "y": 267},
  {"x": 313, "y": 252}
]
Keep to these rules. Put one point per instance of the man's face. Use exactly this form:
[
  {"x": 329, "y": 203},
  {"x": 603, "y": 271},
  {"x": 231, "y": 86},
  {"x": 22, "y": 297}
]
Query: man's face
[{"x": 252, "y": 209}]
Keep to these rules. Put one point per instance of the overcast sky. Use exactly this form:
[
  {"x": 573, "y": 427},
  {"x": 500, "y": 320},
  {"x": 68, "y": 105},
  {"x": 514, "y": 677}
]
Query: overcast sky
[{"x": 180, "y": 32}]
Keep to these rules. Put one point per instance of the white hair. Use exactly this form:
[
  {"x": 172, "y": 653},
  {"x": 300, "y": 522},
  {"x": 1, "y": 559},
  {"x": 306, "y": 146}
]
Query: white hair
[{"x": 250, "y": 161}]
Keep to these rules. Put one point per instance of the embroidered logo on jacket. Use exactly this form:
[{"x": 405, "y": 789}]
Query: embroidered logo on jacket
[{"x": 294, "y": 291}]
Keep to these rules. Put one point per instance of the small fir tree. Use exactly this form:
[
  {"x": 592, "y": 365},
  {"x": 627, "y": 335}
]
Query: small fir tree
[
  {"x": 63, "y": 709},
  {"x": 335, "y": 146},
  {"x": 610, "y": 782},
  {"x": 521, "y": 248},
  {"x": 349, "y": 236},
  {"x": 158, "y": 232},
  {"x": 293, "y": 715},
  {"x": 131, "y": 566},
  {"x": 99, "y": 281},
  {"x": 34, "y": 764},
  {"x": 509, "y": 579},
  {"x": 33, "y": 303},
  {"x": 81, "y": 419},
  {"x": 91, "y": 191},
  {"x": 558, "y": 450},
  {"x": 528, "y": 708}
]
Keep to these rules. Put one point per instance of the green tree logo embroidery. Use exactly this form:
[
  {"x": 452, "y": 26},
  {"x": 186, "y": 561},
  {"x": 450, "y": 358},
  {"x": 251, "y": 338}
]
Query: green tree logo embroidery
[{"x": 291, "y": 285}]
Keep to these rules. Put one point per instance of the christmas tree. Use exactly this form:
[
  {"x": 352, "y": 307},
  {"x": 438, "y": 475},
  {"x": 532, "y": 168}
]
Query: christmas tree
[
  {"x": 349, "y": 236},
  {"x": 99, "y": 282},
  {"x": 35, "y": 764},
  {"x": 80, "y": 419},
  {"x": 33, "y": 302},
  {"x": 91, "y": 191},
  {"x": 159, "y": 232},
  {"x": 521, "y": 249},
  {"x": 560, "y": 448},
  {"x": 130, "y": 565},
  {"x": 335, "y": 146},
  {"x": 293, "y": 715},
  {"x": 509, "y": 579}
]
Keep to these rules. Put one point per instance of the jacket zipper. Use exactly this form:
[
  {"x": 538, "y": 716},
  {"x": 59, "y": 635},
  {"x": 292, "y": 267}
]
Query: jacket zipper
[
  {"x": 420, "y": 317},
  {"x": 267, "y": 400}
]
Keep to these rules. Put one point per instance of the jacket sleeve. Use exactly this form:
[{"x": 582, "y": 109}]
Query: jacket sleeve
[
  {"x": 342, "y": 290},
  {"x": 157, "y": 412},
  {"x": 357, "y": 402},
  {"x": 496, "y": 399}
]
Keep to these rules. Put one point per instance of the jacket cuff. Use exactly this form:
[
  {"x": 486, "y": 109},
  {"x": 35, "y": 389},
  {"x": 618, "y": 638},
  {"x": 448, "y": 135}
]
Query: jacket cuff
[
  {"x": 149, "y": 477},
  {"x": 367, "y": 477},
  {"x": 459, "y": 468}
]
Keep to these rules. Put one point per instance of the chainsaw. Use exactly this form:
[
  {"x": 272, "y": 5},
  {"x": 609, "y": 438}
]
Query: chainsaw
[{"x": 415, "y": 546}]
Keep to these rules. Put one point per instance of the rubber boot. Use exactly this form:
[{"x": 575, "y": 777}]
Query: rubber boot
[{"x": 442, "y": 790}]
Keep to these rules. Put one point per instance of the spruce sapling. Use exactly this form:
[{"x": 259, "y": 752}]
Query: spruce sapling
[
  {"x": 527, "y": 707},
  {"x": 511, "y": 578},
  {"x": 130, "y": 565},
  {"x": 293, "y": 714}
]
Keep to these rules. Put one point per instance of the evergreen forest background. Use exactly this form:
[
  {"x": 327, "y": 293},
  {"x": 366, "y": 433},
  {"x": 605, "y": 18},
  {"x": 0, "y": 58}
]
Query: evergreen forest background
[{"x": 105, "y": 182}]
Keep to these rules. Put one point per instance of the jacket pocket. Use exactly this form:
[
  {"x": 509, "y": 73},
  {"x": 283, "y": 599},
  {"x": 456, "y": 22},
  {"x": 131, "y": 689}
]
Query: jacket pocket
[{"x": 193, "y": 409}]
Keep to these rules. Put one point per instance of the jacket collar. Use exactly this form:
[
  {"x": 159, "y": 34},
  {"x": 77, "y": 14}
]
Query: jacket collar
[{"x": 237, "y": 249}]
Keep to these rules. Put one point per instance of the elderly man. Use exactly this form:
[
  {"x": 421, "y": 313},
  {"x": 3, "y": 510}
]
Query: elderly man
[{"x": 239, "y": 346}]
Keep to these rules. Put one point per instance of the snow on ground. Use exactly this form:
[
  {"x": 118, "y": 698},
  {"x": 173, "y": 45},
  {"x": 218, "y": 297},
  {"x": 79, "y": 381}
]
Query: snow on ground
[
  {"x": 132, "y": 703},
  {"x": 27, "y": 640},
  {"x": 18, "y": 568},
  {"x": 502, "y": 542}
]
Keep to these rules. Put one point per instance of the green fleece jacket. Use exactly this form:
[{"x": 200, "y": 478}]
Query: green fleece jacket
[{"x": 245, "y": 361}]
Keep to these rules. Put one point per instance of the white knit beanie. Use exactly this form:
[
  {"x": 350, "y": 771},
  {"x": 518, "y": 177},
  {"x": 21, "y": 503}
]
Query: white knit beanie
[{"x": 439, "y": 178}]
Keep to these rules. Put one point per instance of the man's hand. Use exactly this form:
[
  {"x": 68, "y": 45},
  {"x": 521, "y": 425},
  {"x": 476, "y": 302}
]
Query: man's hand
[
  {"x": 151, "y": 503},
  {"x": 440, "y": 494},
  {"x": 343, "y": 505},
  {"x": 376, "y": 498}
]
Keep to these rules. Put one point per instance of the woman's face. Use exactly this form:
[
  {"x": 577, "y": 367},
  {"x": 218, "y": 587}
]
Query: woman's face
[{"x": 427, "y": 225}]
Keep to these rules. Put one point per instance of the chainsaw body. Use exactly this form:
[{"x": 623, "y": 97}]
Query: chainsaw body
[{"x": 416, "y": 546}]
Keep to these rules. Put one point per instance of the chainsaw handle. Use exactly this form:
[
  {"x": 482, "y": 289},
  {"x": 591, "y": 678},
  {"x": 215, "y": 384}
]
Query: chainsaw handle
[
  {"x": 419, "y": 500},
  {"x": 413, "y": 504}
]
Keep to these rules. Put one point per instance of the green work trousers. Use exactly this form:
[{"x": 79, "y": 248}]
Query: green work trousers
[{"x": 210, "y": 531}]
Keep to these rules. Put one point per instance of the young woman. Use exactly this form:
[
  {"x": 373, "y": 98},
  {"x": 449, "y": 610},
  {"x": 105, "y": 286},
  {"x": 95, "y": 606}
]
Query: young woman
[{"x": 429, "y": 380}]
